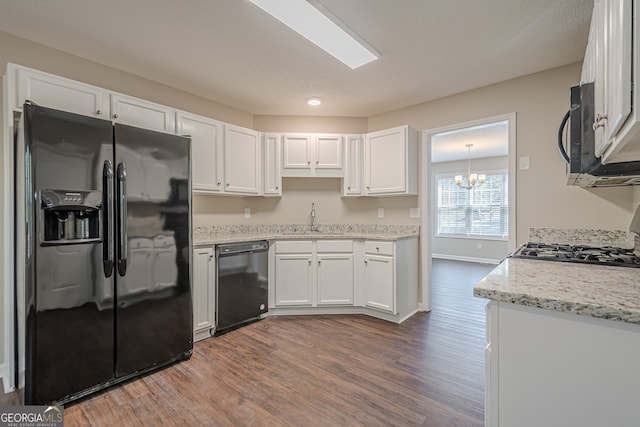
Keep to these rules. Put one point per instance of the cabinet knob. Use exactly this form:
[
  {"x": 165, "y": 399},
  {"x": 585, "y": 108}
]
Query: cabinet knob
[
  {"x": 277, "y": 187},
  {"x": 377, "y": 249},
  {"x": 98, "y": 112},
  {"x": 219, "y": 183},
  {"x": 599, "y": 123},
  {"x": 318, "y": 262},
  {"x": 366, "y": 262},
  {"x": 115, "y": 116},
  {"x": 309, "y": 262},
  {"x": 210, "y": 256},
  {"x": 228, "y": 184},
  {"x": 317, "y": 162},
  {"x": 368, "y": 188},
  {"x": 309, "y": 162},
  {"x": 349, "y": 188}
]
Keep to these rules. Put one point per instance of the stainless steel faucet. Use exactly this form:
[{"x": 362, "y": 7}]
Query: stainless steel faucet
[{"x": 314, "y": 223}]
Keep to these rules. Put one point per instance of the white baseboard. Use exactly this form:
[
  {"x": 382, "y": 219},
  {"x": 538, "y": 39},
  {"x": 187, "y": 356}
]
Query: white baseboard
[{"x": 467, "y": 259}]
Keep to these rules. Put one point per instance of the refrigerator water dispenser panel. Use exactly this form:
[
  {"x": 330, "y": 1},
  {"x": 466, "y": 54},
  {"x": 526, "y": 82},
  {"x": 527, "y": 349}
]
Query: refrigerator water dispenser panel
[{"x": 70, "y": 216}]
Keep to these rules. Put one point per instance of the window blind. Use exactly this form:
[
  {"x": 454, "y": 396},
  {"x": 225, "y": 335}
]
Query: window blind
[{"x": 481, "y": 211}]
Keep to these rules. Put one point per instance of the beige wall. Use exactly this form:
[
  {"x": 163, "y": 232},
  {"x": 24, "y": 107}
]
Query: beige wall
[
  {"x": 23, "y": 52},
  {"x": 539, "y": 101},
  {"x": 310, "y": 124}
]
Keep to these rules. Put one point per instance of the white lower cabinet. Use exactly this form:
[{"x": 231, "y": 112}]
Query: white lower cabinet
[
  {"x": 203, "y": 292},
  {"x": 293, "y": 279},
  {"x": 379, "y": 278},
  {"x": 379, "y": 284},
  {"x": 334, "y": 272},
  {"x": 312, "y": 273},
  {"x": 549, "y": 368}
]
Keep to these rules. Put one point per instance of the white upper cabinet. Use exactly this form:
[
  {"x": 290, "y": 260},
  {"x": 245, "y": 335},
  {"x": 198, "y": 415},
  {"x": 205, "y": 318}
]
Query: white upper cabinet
[
  {"x": 312, "y": 155},
  {"x": 55, "y": 92},
  {"x": 242, "y": 161},
  {"x": 206, "y": 151},
  {"x": 138, "y": 112},
  {"x": 272, "y": 147},
  {"x": 391, "y": 162},
  {"x": 353, "y": 159},
  {"x": 611, "y": 58}
]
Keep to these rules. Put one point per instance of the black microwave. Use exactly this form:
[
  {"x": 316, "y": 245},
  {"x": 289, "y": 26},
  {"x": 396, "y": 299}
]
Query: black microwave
[{"x": 583, "y": 167}]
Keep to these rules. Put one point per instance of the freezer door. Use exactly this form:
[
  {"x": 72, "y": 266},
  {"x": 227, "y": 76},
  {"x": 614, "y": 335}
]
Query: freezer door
[
  {"x": 153, "y": 247},
  {"x": 68, "y": 298}
]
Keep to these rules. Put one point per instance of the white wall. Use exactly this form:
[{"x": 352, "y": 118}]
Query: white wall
[{"x": 467, "y": 248}]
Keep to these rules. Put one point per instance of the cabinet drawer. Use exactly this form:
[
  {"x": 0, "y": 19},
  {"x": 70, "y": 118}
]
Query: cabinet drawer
[
  {"x": 378, "y": 247},
  {"x": 335, "y": 246},
  {"x": 294, "y": 247}
]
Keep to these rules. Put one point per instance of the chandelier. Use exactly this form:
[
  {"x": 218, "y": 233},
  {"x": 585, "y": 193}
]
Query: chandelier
[{"x": 472, "y": 178}]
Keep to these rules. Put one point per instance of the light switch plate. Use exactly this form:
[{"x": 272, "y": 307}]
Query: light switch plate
[
  {"x": 524, "y": 163},
  {"x": 414, "y": 212},
  {"x": 380, "y": 212},
  {"x": 247, "y": 212}
]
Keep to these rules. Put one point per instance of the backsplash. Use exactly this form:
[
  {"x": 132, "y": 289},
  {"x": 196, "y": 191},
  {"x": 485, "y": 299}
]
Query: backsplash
[
  {"x": 210, "y": 231},
  {"x": 584, "y": 236}
]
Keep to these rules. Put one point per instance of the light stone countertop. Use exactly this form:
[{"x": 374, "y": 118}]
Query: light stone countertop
[
  {"x": 211, "y": 235},
  {"x": 603, "y": 292}
]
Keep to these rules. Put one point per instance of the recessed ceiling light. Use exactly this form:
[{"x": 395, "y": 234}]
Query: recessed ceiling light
[
  {"x": 317, "y": 24},
  {"x": 314, "y": 102}
]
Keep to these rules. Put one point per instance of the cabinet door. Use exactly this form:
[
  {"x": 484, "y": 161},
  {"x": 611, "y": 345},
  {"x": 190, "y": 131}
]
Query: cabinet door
[
  {"x": 59, "y": 93},
  {"x": 352, "y": 184},
  {"x": 335, "y": 279},
  {"x": 297, "y": 154},
  {"x": 294, "y": 279},
  {"x": 328, "y": 152},
  {"x": 272, "y": 164},
  {"x": 141, "y": 113},
  {"x": 203, "y": 292},
  {"x": 206, "y": 151},
  {"x": 242, "y": 160},
  {"x": 379, "y": 283},
  {"x": 386, "y": 157}
]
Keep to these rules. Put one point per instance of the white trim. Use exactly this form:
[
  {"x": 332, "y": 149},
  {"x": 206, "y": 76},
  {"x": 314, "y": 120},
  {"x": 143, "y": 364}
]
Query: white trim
[
  {"x": 426, "y": 190},
  {"x": 5, "y": 376},
  {"x": 467, "y": 259},
  {"x": 8, "y": 261}
]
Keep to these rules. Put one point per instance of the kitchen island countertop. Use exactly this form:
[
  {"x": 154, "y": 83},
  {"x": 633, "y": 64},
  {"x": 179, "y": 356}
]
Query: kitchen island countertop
[{"x": 603, "y": 292}]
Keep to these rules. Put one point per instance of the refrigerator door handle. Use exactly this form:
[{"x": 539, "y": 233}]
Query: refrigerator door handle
[
  {"x": 107, "y": 218},
  {"x": 122, "y": 219}
]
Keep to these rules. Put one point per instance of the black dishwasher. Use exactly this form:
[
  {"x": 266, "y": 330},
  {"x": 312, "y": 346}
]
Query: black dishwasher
[{"x": 242, "y": 284}]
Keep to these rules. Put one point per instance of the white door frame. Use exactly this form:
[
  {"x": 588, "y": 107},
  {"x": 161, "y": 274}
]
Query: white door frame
[{"x": 426, "y": 201}]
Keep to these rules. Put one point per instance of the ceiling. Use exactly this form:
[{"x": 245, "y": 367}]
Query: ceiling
[
  {"x": 234, "y": 53},
  {"x": 489, "y": 140}
]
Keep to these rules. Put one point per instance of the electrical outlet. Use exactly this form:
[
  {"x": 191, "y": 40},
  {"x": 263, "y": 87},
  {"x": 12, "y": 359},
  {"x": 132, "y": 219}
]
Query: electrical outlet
[
  {"x": 524, "y": 163},
  {"x": 479, "y": 246},
  {"x": 247, "y": 212},
  {"x": 380, "y": 212},
  {"x": 414, "y": 212}
]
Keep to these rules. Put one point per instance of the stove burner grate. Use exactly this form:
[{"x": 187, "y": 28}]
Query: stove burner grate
[{"x": 605, "y": 255}]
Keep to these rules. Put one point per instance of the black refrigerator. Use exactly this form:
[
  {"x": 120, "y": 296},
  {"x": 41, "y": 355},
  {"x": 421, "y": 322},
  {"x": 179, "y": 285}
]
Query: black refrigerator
[{"x": 103, "y": 253}]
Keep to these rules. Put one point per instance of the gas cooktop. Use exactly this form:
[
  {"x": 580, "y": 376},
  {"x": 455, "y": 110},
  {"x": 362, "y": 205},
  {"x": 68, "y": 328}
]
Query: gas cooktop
[{"x": 604, "y": 255}]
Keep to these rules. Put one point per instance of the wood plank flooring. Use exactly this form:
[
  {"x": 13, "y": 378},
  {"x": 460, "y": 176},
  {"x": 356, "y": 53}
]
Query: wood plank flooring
[{"x": 321, "y": 371}]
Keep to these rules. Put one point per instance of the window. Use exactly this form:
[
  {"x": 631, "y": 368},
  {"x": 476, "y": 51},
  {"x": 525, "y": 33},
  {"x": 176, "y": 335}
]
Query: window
[{"x": 480, "y": 212}]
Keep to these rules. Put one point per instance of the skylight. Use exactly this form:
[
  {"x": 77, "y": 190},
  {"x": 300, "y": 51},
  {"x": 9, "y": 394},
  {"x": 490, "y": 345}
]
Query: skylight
[{"x": 319, "y": 26}]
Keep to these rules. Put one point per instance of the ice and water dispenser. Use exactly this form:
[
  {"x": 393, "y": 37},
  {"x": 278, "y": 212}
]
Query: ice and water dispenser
[{"x": 70, "y": 216}]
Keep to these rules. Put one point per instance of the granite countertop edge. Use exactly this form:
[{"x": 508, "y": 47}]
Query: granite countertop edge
[
  {"x": 244, "y": 237},
  {"x": 593, "y": 298}
]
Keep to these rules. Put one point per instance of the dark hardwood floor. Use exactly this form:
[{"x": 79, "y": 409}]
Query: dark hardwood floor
[{"x": 321, "y": 371}]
